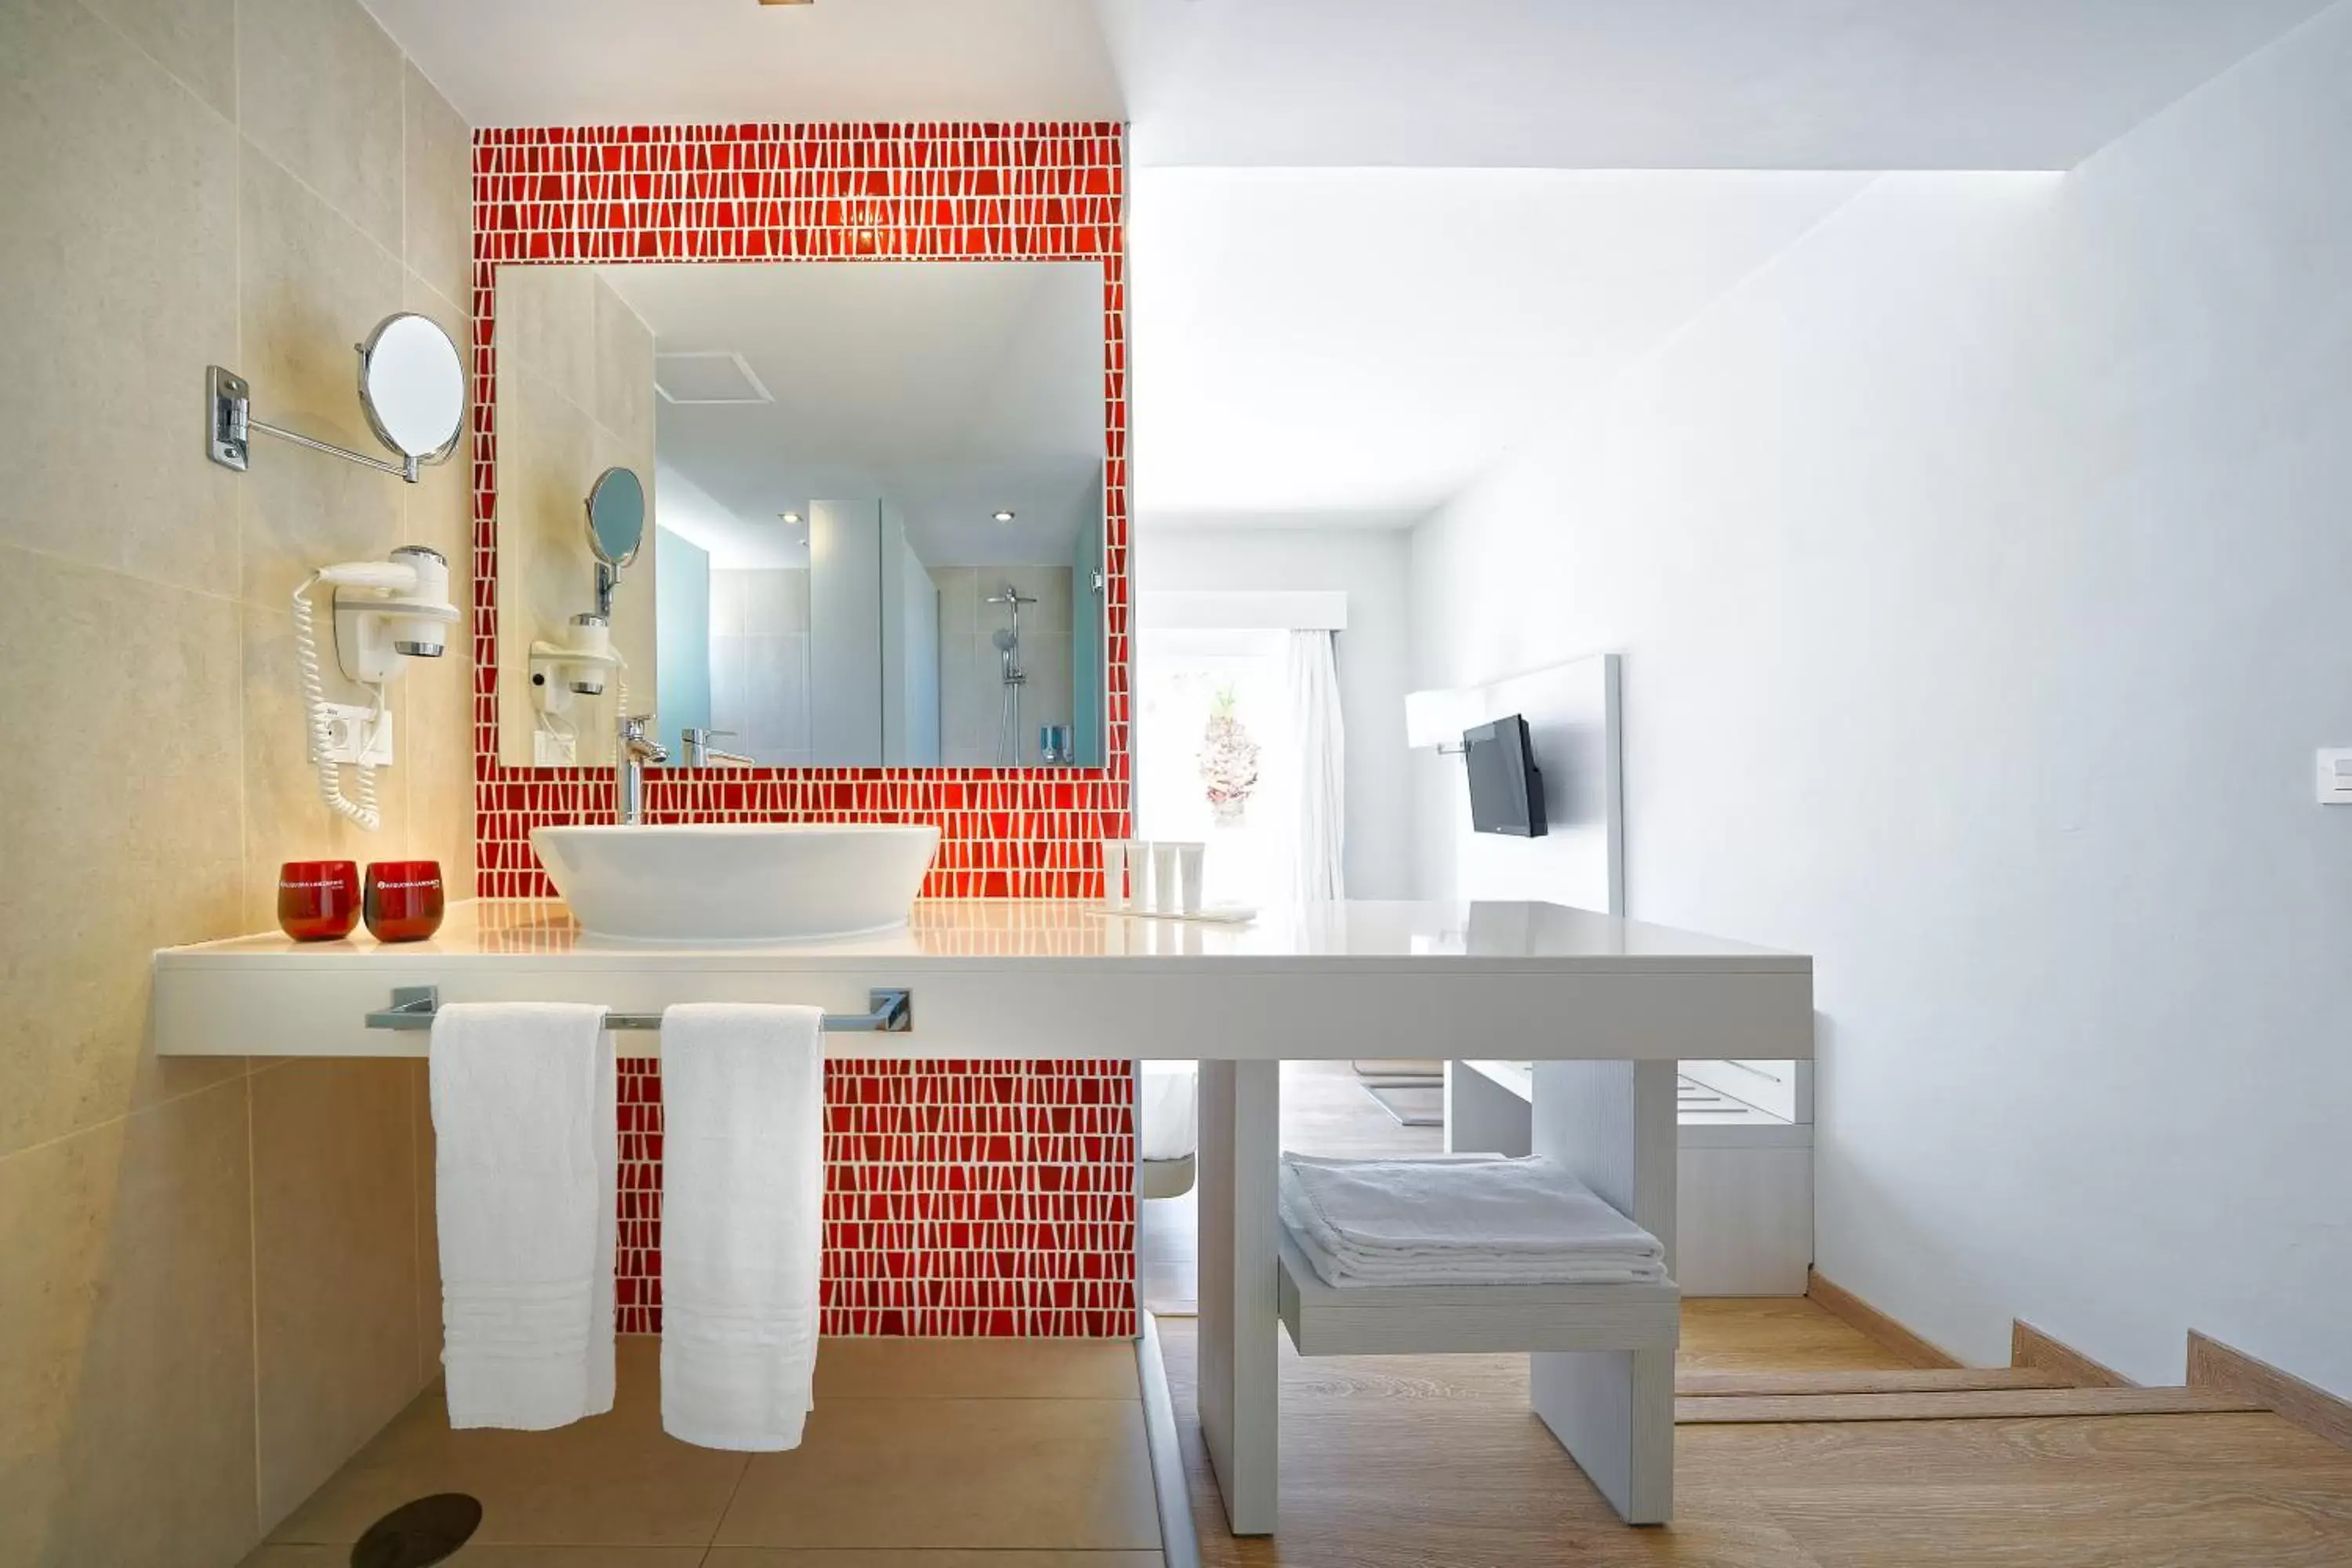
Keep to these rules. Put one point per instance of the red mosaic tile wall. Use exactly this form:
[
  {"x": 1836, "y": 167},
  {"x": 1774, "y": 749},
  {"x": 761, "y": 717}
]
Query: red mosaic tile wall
[{"x": 962, "y": 1197}]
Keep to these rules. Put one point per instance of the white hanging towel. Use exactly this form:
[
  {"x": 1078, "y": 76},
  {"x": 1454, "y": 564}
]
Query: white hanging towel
[
  {"x": 525, "y": 1165},
  {"x": 743, "y": 1221}
]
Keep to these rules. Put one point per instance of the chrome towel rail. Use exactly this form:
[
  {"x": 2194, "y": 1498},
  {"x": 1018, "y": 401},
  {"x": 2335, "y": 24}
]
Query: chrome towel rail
[{"x": 412, "y": 1007}]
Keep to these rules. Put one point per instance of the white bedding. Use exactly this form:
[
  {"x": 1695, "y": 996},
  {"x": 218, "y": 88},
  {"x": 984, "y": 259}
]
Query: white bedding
[{"x": 1167, "y": 1111}]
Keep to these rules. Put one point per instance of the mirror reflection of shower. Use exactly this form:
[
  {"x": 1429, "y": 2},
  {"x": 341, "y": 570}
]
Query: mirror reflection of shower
[{"x": 1013, "y": 676}]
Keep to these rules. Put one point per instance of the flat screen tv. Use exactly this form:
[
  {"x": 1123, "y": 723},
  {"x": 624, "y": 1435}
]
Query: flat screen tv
[{"x": 1505, "y": 787}]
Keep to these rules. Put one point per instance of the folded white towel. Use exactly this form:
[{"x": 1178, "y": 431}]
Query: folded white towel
[
  {"x": 1549, "y": 1271},
  {"x": 1468, "y": 1252},
  {"x": 743, "y": 1221},
  {"x": 1400, "y": 1222},
  {"x": 525, "y": 1163}
]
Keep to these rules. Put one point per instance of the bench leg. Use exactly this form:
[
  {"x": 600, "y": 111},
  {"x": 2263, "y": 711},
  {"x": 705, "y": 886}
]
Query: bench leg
[
  {"x": 1612, "y": 1124},
  {"x": 1613, "y": 1411},
  {"x": 1240, "y": 1149}
]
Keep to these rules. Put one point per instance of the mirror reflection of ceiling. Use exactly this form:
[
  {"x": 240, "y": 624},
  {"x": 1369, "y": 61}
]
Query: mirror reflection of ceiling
[{"x": 952, "y": 390}]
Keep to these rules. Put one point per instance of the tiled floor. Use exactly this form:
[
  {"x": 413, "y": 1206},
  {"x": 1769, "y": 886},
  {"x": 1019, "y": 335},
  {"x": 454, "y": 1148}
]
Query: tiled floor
[{"x": 920, "y": 1454}]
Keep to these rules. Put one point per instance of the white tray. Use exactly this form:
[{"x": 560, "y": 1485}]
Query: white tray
[{"x": 1213, "y": 914}]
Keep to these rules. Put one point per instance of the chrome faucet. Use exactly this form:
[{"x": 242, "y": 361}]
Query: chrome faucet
[
  {"x": 633, "y": 748},
  {"x": 697, "y": 751}
]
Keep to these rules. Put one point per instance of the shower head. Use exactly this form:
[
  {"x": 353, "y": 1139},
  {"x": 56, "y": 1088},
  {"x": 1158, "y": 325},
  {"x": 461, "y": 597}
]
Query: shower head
[
  {"x": 1004, "y": 640},
  {"x": 1011, "y": 596}
]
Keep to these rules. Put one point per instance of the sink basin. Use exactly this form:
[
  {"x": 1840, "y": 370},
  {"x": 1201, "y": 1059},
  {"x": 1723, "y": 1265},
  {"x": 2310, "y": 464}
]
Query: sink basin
[{"x": 741, "y": 881}]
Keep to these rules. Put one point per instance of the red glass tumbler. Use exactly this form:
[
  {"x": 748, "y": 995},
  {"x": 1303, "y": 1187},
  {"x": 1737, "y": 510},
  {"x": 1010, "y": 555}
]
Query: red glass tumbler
[
  {"x": 318, "y": 901},
  {"x": 404, "y": 900}
]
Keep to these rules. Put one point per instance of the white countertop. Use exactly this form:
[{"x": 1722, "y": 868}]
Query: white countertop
[
  {"x": 1055, "y": 979},
  {"x": 1398, "y": 935}
]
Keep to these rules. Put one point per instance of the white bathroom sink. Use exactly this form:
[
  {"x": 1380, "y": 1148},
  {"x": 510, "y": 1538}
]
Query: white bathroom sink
[{"x": 749, "y": 881}]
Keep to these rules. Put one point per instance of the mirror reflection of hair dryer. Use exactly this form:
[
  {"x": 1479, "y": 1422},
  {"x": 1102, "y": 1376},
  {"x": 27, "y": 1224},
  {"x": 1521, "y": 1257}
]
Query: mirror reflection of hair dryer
[{"x": 585, "y": 661}]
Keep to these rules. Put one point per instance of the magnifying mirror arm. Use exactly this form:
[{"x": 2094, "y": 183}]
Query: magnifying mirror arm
[
  {"x": 232, "y": 426},
  {"x": 407, "y": 469}
]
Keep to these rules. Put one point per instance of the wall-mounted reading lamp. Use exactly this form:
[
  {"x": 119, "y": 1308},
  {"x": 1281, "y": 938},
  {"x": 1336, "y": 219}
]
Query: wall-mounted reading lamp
[
  {"x": 411, "y": 387},
  {"x": 1434, "y": 719}
]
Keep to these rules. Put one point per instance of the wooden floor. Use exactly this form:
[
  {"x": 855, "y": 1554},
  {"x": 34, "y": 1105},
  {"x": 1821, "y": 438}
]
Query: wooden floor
[{"x": 1434, "y": 1462}]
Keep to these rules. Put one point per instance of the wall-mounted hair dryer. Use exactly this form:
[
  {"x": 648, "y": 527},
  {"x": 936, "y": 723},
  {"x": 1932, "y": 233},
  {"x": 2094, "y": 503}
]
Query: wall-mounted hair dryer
[{"x": 386, "y": 613}]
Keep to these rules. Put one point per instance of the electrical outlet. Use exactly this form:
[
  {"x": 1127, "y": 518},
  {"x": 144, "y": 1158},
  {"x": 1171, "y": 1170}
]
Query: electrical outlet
[
  {"x": 357, "y": 734},
  {"x": 554, "y": 751},
  {"x": 2336, "y": 777}
]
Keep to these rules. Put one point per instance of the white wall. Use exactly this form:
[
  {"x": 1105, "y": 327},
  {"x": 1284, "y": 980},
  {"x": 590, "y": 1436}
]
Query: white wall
[
  {"x": 1981, "y": 568},
  {"x": 845, "y": 633},
  {"x": 1369, "y": 565},
  {"x": 759, "y": 660}
]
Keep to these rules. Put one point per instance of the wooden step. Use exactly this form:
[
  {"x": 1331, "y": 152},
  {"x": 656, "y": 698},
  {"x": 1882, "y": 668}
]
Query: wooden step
[
  {"x": 1954, "y": 1405},
  {"x": 1875, "y": 1380}
]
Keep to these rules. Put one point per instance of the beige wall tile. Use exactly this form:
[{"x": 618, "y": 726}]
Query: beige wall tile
[
  {"x": 195, "y": 40},
  {"x": 730, "y": 601},
  {"x": 334, "y": 1264},
  {"x": 108, "y": 337},
  {"x": 437, "y": 725},
  {"x": 547, "y": 327},
  {"x": 166, "y": 742},
  {"x": 435, "y": 737},
  {"x": 775, "y": 601},
  {"x": 312, "y": 286},
  {"x": 1047, "y": 697},
  {"x": 121, "y": 833},
  {"x": 438, "y": 243},
  {"x": 126, "y": 1369},
  {"x": 624, "y": 373},
  {"x": 547, "y": 460},
  {"x": 319, "y": 89},
  {"x": 284, "y": 818},
  {"x": 576, "y": 397},
  {"x": 1049, "y": 585},
  {"x": 959, "y": 598}
]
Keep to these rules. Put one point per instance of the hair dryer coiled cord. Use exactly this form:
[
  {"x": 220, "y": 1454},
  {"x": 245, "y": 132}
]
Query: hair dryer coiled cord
[{"x": 363, "y": 809}]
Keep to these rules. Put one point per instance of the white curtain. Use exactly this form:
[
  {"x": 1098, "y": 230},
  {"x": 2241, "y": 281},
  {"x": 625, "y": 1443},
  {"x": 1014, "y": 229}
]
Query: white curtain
[{"x": 1319, "y": 801}]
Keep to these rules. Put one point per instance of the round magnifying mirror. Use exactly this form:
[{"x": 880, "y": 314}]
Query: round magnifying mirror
[
  {"x": 413, "y": 385},
  {"x": 616, "y": 516}
]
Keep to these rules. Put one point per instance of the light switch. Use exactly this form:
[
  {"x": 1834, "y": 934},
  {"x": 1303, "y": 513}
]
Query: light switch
[{"x": 2336, "y": 777}]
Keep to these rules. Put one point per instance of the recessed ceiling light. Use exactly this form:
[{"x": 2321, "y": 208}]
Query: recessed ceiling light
[
  {"x": 792, "y": 518},
  {"x": 1004, "y": 514}
]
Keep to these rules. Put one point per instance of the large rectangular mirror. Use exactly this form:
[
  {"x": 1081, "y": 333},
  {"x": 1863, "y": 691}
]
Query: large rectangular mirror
[{"x": 874, "y": 498}]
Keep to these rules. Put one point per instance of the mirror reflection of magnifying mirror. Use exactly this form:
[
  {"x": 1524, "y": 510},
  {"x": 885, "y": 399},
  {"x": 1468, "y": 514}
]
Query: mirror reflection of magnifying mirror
[
  {"x": 413, "y": 386},
  {"x": 616, "y": 516}
]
